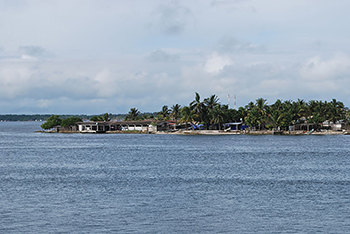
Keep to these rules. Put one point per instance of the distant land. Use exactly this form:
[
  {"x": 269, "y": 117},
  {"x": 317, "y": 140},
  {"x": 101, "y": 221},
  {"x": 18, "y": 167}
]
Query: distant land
[{"x": 44, "y": 117}]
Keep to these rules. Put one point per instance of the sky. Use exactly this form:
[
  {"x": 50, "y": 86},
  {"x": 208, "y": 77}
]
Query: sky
[{"x": 98, "y": 56}]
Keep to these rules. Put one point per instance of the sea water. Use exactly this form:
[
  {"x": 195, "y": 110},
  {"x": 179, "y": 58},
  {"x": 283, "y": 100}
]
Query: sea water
[{"x": 134, "y": 183}]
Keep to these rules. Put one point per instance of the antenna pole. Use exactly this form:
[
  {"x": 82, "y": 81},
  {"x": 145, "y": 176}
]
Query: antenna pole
[
  {"x": 228, "y": 100},
  {"x": 234, "y": 103}
]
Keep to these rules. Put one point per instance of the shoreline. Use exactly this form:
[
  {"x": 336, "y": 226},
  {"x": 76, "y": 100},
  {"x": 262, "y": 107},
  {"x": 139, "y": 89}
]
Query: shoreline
[
  {"x": 284, "y": 133},
  {"x": 214, "y": 132}
]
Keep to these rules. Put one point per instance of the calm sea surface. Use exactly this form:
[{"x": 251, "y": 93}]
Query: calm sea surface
[{"x": 98, "y": 183}]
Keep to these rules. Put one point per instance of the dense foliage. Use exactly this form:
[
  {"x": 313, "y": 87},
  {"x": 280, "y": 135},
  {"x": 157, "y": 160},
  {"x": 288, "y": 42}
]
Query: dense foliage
[
  {"x": 70, "y": 121},
  {"x": 104, "y": 117},
  {"x": 51, "y": 122},
  {"x": 212, "y": 114},
  {"x": 280, "y": 115}
]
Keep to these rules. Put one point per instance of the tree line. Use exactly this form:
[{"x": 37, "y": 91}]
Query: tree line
[
  {"x": 44, "y": 117},
  {"x": 279, "y": 115},
  {"x": 211, "y": 114}
]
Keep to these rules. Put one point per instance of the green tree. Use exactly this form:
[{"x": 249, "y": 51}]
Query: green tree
[
  {"x": 275, "y": 118},
  {"x": 347, "y": 115},
  {"x": 71, "y": 121},
  {"x": 317, "y": 118},
  {"x": 132, "y": 114},
  {"x": 335, "y": 111},
  {"x": 252, "y": 118},
  {"x": 175, "y": 111},
  {"x": 250, "y": 106},
  {"x": 241, "y": 114},
  {"x": 278, "y": 105},
  {"x": 164, "y": 113},
  {"x": 288, "y": 113},
  {"x": 106, "y": 117},
  {"x": 96, "y": 118},
  {"x": 217, "y": 115},
  {"x": 188, "y": 115},
  {"x": 51, "y": 122},
  {"x": 208, "y": 105},
  {"x": 261, "y": 106},
  {"x": 211, "y": 102},
  {"x": 198, "y": 107}
]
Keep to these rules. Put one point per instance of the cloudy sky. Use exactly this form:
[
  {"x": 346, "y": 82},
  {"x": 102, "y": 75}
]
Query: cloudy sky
[{"x": 97, "y": 56}]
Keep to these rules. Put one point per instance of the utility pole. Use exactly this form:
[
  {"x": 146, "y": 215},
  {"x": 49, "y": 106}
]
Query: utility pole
[
  {"x": 228, "y": 100},
  {"x": 234, "y": 102}
]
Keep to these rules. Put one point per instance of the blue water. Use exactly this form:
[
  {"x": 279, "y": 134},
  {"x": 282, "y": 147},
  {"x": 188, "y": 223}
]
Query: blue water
[{"x": 98, "y": 183}]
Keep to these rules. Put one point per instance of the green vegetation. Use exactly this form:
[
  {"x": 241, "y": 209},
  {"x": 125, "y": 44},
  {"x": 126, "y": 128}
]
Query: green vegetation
[
  {"x": 51, "y": 122},
  {"x": 284, "y": 114},
  {"x": 133, "y": 114},
  {"x": 70, "y": 121},
  {"x": 175, "y": 112},
  {"x": 55, "y": 120},
  {"x": 257, "y": 115},
  {"x": 104, "y": 117},
  {"x": 212, "y": 114},
  {"x": 164, "y": 114},
  {"x": 96, "y": 118}
]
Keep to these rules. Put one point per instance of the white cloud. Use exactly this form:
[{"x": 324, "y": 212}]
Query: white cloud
[
  {"x": 216, "y": 63},
  {"x": 28, "y": 57},
  {"x": 316, "y": 69}
]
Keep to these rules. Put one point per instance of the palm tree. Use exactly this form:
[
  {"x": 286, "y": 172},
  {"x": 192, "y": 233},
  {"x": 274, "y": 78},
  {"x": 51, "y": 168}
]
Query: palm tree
[
  {"x": 276, "y": 118},
  {"x": 302, "y": 107},
  {"x": 318, "y": 119},
  {"x": 198, "y": 107},
  {"x": 217, "y": 115},
  {"x": 211, "y": 102},
  {"x": 208, "y": 105},
  {"x": 242, "y": 113},
  {"x": 252, "y": 118},
  {"x": 106, "y": 117},
  {"x": 188, "y": 115},
  {"x": 335, "y": 111},
  {"x": 317, "y": 107},
  {"x": 288, "y": 113},
  {"x": 164, "y": 113},
  {"x": 347, "y": 115},
  {"x": 278, "y": 105},
  {"x": 261, "y": 106},
  {"x": 132, "y": 114},
  {"x": 250, "y": 106},
  {"x": 175, "y": 111}
]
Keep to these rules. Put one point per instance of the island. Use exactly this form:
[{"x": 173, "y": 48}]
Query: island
[{"x": 209, "y": 116}]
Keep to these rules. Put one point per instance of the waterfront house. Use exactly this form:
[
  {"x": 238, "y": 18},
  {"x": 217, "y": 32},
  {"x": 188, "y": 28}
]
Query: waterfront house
[{"x": 116, "y": 126}]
